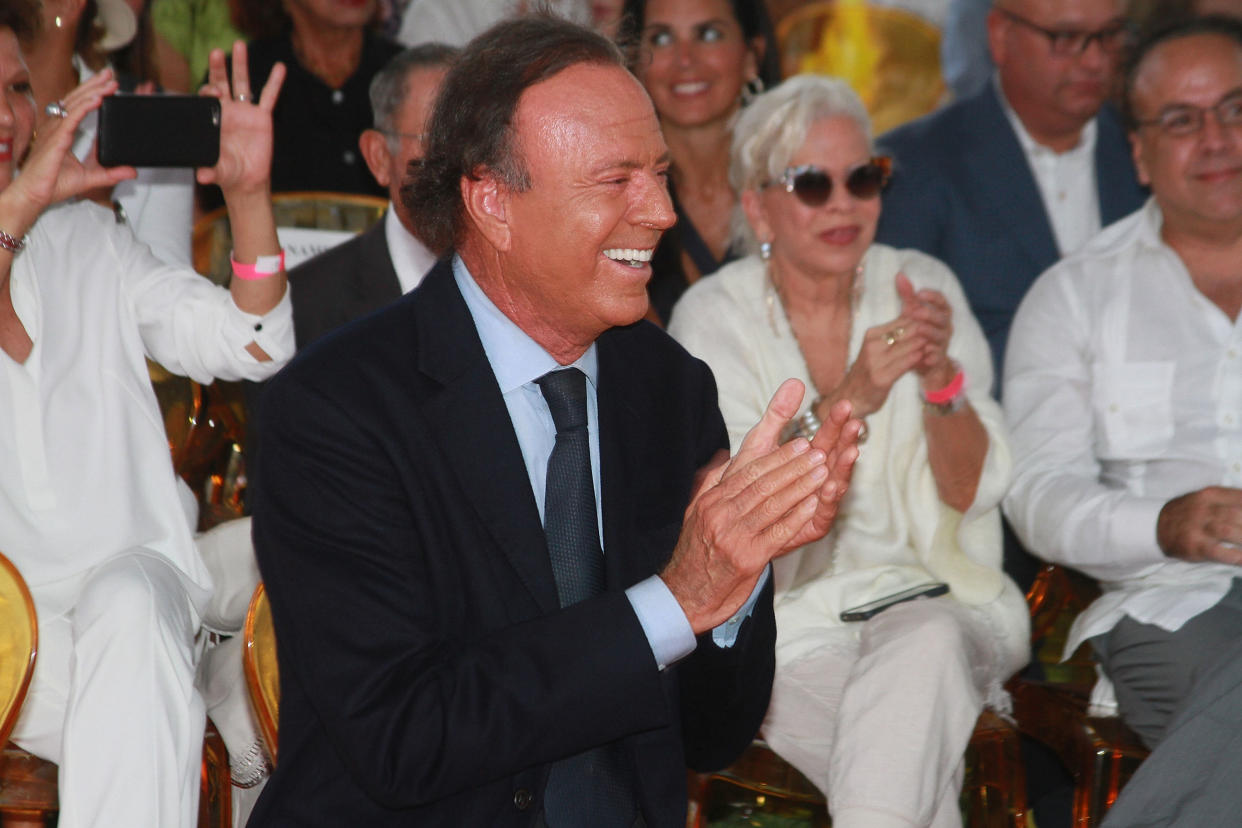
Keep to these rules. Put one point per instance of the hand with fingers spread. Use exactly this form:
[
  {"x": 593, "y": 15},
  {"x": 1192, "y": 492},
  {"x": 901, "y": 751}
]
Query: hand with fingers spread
[
  {"x": 933, "y": 325},
  {"x": 768, "y": 500},
  {"x": 245, "y": 162},
  {"x": 50, "y": 172},
  {"x": 1204, "y": 525}
]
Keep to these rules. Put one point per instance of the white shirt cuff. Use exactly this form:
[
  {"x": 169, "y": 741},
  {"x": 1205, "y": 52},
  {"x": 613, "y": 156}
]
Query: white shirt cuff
[
  {"x": 663, "y": 621},
  {"x": 665, "y": 625},
  {"x": 726, "y": 634}
]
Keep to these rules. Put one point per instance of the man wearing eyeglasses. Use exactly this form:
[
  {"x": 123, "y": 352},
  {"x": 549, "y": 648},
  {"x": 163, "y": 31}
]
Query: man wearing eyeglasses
[
  {"x": 1123, "y": 392},
  {"x": 390, "y": 259},
  {"x": 1003, "y": 183}
]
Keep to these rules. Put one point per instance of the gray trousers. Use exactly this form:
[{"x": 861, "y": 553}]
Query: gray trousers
[
  {"x": 1155, "y": 672},
  {"x": 1192, "y": 779}
]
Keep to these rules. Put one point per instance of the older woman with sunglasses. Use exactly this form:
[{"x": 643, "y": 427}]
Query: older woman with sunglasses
[{"x": 875, "y": 698}]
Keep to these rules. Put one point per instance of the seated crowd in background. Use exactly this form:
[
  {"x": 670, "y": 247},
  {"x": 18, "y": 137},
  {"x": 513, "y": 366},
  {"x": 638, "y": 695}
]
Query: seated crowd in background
[{"x": 1117, "y": 390}]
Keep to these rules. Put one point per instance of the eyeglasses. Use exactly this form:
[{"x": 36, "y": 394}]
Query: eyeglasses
[
  {"x": 1181, "y": 120},
  {"x": 1069, "y": 42},
  {"x": 813, "y": 185}
]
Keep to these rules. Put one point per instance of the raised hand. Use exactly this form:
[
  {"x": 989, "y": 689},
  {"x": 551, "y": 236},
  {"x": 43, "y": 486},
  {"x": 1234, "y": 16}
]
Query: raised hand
[
  {"x": 51, "y": 173},
  {"x": 768, "y": 500},
  {"x": 245, "y": 162},
  {"x": 933, "y": 327}
]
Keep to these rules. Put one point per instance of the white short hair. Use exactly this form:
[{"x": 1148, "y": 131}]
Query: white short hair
[{"x": 774, "y": 126}]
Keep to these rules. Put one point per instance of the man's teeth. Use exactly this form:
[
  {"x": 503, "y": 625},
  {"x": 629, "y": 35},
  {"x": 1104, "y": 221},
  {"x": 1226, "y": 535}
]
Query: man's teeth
[{"x": 629, "y": 255}]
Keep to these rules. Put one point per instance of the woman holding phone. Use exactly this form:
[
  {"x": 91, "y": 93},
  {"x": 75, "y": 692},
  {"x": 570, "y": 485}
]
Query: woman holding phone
[{"x": 90, "y": 508}]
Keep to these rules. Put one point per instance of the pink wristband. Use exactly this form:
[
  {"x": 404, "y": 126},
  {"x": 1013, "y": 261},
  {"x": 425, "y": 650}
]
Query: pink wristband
[
  {"x": 943, "y": 396},
  {"x": 263, "y": 267}
]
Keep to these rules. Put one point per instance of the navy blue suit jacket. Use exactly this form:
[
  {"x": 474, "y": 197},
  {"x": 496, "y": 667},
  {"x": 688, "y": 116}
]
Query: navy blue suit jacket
[
  {"x": 428, "y": 675},
  {"x": 962, "y": 191}
]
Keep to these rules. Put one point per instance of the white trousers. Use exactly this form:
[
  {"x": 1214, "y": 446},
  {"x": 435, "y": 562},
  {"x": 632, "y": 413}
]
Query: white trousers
[
  {"x": 113, "y": 701},
  {"x": 878, "y": 713}
]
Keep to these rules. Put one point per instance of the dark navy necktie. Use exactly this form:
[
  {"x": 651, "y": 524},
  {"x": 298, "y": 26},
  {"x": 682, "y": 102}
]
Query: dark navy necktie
[{"x": 593, "y": 788}]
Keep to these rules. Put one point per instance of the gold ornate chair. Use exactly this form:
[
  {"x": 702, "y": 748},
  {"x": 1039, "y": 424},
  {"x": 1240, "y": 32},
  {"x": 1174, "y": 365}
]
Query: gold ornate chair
[
  {"x": 19, "y": 644},
  {"x": 1099, "y": 751},
  {"x": 891, "y": 57},
  {"x": 761, "y": 787},
  {"x": 339, "y": 212},
  {"x": 262, "y": 671}
]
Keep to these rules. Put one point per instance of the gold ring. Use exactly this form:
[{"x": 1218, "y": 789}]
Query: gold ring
[{"x": 890, "y": 338}]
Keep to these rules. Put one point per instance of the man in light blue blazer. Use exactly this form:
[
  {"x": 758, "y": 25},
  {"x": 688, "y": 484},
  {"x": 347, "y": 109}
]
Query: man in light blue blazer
[{"x": 1001, "y": 184}]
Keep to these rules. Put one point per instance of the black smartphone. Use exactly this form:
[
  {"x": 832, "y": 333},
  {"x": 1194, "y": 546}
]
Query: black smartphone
[
  {"x": 159, "y": 131},
  {"x": 872, "y": 608}
]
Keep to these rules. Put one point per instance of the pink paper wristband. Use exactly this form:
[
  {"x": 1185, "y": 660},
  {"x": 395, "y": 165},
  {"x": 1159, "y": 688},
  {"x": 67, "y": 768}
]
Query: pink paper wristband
[
  {"x": 263, "y": 267},
  {"x": 943, "y": 396}
]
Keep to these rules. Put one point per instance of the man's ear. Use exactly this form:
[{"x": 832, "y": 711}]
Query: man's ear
[
  {"x": 488, "y": 203},
  {"x": 998, "y": 26},
  {"x": 1136, "y": 152},
  {"x": 374, "y": 148}
]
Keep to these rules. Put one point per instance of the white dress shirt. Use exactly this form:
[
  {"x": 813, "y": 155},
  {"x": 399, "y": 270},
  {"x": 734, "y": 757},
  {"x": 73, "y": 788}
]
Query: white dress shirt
[
  {"x": 1066, "y": 182},
  {"x": 517, "y": 361},
  {"x": 88, "y": 473},
  {"x": 410, "y": 257},
  {"x": 1123, "y": 390},
  {"x": 158, "y": 204}
]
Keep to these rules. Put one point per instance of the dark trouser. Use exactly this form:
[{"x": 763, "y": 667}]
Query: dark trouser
[{"x": 1154, "y": 671}]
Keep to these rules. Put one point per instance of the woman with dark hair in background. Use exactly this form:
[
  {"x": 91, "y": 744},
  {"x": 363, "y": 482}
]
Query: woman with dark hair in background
[
  {"x": 332, "y": 53},
  {"x": 699, "y": 60}
]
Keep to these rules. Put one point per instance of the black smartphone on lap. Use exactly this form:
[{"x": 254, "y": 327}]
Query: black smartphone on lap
[
  {"x": 159, "y": 131},
  {"x": 872, "y": 608}
]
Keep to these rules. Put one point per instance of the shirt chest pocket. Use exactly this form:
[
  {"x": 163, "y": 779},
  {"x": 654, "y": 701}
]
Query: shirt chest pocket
[{"x": 1133, "y": 405}]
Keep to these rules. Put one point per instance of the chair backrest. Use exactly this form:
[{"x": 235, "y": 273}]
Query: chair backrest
[
  {"x": 1055, "y": 599},
  {"x": 890, "y": 56},
  {"x": 262, "y": 671},
  {"x": 336, "y": 215},
  {"x": 19, "y": 640}
]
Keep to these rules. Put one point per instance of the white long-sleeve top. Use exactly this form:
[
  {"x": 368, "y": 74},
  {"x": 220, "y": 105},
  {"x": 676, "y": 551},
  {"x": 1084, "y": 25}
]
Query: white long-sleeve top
[
  {"x": 1123, "y": 390},
  {"x": 87, "y": 470}
]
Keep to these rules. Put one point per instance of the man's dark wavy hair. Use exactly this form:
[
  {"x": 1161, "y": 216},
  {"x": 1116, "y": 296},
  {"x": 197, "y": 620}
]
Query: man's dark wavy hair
[
  {"x": 21, "y": 17},
  {"x": 1215, "y": 24},
  {"x": 471, "y": 130}
]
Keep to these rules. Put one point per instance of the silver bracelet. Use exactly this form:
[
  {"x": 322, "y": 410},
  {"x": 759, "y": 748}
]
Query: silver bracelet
[{"x": 13, "y": 245}]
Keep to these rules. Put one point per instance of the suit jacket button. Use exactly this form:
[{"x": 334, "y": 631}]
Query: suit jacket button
[{"x": 522, "y": 799}]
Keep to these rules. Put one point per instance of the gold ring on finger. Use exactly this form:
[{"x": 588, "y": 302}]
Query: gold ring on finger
[{"x": 890, "y": 338}]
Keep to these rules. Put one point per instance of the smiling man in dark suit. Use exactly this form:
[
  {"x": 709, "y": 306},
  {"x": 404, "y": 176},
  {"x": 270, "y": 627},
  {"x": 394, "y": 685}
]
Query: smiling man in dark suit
[{"x": 510, "y": 585}]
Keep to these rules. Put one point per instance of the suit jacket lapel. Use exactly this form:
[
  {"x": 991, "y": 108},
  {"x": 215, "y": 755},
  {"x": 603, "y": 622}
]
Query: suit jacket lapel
[
  {"x": 1000, "y": 170},
  {"x": 376, "y": 282},
  {"x": 472, "y": 426},
  {"x": 619, "y": 395}
]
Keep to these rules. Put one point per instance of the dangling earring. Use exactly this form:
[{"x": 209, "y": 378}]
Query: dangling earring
[
  {"x": 752, "y": 89},
  {"x": 765, "y": 250}
]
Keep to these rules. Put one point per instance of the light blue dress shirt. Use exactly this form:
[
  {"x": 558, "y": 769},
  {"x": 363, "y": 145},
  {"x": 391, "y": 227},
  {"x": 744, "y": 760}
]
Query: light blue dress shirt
[{"x": 517, "y": 361}]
